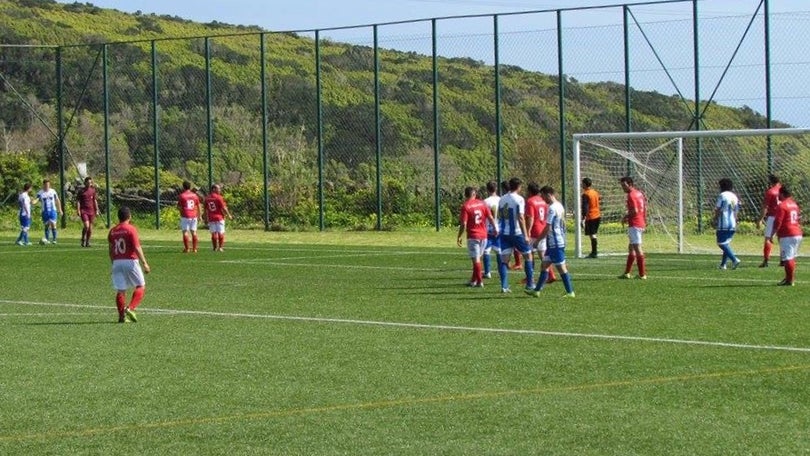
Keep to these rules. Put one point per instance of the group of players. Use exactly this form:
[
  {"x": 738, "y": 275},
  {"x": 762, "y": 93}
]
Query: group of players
[
  {"x": 536, "y": 227},
  {"x": 510, "y": 223},
  {"x": 128, "y": 261}
]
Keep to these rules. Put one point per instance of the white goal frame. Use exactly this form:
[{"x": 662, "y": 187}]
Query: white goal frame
[{"x": 677, "y": 136}]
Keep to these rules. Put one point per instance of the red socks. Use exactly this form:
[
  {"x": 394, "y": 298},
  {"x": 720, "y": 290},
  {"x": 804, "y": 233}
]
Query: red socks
[{"x": 137, "y": 296}]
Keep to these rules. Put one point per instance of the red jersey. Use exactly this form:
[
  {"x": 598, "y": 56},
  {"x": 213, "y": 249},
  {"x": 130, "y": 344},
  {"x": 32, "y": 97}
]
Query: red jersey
[
  {"x": 87, "y": 200},
  {"x": 636, "y": 209},
  {"x": 124, "y": 241},
  {"x": 474, "y": 216},
  {"x": 188, "y": 202},
  {"x": 772, "y": 200},
  {"x": 787, "y": 220},
  {"x": 537, "y": 209},
  {"x": 215, "y": 207}
]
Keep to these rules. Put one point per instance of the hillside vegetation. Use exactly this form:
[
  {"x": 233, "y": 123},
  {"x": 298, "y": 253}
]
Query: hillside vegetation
[{"x": 529, "y": 109}]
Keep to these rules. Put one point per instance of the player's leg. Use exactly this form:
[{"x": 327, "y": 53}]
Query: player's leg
[
  {"x": 136, "y": 279},
  {"x": 518, "y": 261},
  {"x": 767, "y": 246},
  {"x": 631, "y": 258},
  {"x": 119, "y": 282},
  {"x": 53, "y": 230},
  {"x": 212, "y": 228},
  {"x": 503, "y": 266},
  {"x": 542, "y": 279},
  {"x": 641, "y": 261},
  {"x": 562, "y": 269},
  {"x": 194, "y": 240},
  {"x": 186, "y": 241}
]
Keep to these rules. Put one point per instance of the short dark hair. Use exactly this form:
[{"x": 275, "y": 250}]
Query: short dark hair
[
  {"x": 514, "y": 183},
  {"x": 186, "y": 185},
  {"x": 587, "y": 182},
  {"x": 725, "y": 184},
  {"x": 505, "y": 186},
  {"x": 27, "y": 186},
  {"x": 469, "y": 192},
  {"x": 547, "y": 190},
  {"x": 87, "y": 180},
  {"x": 773, "y": 179},
  {"x": 124, "y": 214},
  {"x": 533, "y": 188},
  {"x": 627, "y": 180},
  {"x": 492, "y": 186},
  {"x": 784, "y": 192}
]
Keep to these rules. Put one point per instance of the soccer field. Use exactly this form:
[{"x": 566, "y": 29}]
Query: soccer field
[{"x": 322, "y": 343}]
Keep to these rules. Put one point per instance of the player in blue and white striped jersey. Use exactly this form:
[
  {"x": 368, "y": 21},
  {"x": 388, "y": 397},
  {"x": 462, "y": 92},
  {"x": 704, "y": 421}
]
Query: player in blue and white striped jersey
[
  {"x": 51, "y": 206},
  {"x": 513, "y": 233},
  {"x": 725, "y": 221},
  {"x": 554, "y": 232}
]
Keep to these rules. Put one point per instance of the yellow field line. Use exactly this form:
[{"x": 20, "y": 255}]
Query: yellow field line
[{"x": 393, "y": 403}]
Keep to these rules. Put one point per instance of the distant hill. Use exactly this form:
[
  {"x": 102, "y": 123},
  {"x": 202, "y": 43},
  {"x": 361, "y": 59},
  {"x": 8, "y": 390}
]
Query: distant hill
[{"x": 468, "y": 118}]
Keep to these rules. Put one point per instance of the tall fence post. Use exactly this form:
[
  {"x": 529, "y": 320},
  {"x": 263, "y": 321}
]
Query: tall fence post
[
  {"x": 319, "y": 115},
  {"x": 699, "y": 140},
  {"x": 156, "y": 132},
  {"x": 106, "y": 90},
  {"x": 209, "y": 123},
  {"x": 265, "y": 164},
  {"x": 437, "y": 199},
  {"x": 768, "y": 93},
  {"x": 497, "y": 88},
  {"x": 60, "y": 129},
  {"x": 561, "y": 101},
  {"x": 377, "y": 127}
]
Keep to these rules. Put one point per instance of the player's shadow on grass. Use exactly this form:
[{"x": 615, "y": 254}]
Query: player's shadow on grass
[{"x": 741, "y": 285}]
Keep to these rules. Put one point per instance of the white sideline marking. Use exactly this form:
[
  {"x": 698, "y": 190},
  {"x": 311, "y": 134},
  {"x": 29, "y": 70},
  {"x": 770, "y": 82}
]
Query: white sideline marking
[{"x": 434, "y": 327}]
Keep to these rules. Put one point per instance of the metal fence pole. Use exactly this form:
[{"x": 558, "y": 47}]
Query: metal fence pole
[
  {"x": 265, "y": 165},
  {"x": 561, "y": 101},
  {"x": 319, "y": 115},
  {"x": 106, "y": 89},
  {"x": 208, "y": 114},
  {"x": 156, "y": 132},
  {"x": 377, "y": 127},
  {"x": 437, "y": 199},
  {"x": 497, "y": 88},
  {"x": 60, "y": 125}
]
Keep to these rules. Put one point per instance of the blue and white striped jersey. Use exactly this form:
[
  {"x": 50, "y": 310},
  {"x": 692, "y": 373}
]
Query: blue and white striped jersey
[
  {"x": 511, "y": 207},
  {"x": 556, "y": 226},
  {"x": 728, "y": 204}
]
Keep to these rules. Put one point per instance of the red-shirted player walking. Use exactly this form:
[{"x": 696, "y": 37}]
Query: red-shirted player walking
[
  {"x": 216, "y": 209},
  {"x": 473, "y": 218},
  {"x": 636, "y": 220},
  {"x": 87, "y": 207},
  {"x": 189, "y": 205},
  {"x": 788, "y": 228},
  {"x": 125, "y": 252}
]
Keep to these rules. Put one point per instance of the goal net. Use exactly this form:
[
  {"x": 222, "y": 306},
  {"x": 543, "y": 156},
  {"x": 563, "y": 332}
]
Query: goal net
[{"x": 678, "y": 172}]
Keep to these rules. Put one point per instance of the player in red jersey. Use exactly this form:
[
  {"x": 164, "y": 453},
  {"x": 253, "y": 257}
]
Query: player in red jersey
[
  {"x": 189, "y": 205},
  {"x": 636, "y": 220},
  {"x": 87, "y": 208},
  {"x": 474, "y": 216},
  {"x": 769, "y": 205},
  {"x": 787, "y": 227},
  {"x": 125, "y": 252},
  {"x": 536, "y": 213},
  {"x": 216, "y": 209}
]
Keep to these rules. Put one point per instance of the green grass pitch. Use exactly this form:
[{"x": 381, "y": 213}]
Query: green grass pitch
[{"x": 370, "y": 343}]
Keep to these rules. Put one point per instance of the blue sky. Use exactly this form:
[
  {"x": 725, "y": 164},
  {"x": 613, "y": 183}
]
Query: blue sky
[{"x": 312, "y": 14}]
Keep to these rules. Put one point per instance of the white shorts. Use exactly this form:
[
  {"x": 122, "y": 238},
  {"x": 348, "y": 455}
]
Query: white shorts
[
  {"x": 127, "y": 274},
  {"x": 789, "y": 247},
  {"x": 539, "y": 245},
  {"x": 188, "y": 224},
  {"x": 634, "y": 235},
  {"x": 769, "y": 226},
  {"x": 475, "y": 247},
  {"x": 217, "y": 227}
]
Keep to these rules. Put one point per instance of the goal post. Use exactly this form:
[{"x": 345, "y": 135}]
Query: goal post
[{"x": 678, "y": 172}]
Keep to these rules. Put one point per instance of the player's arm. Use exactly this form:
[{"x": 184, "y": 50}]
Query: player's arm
[
  {"x": 777, "y": 222},
  {"x": 142, "y": 258},
  {"x": 764, "y": 212},
  {"x": 226, "y": 211},
  {"x": 58, "y": 203},
  {"x": 586, "y": 206},
  {"x": 522, "y": 222}
]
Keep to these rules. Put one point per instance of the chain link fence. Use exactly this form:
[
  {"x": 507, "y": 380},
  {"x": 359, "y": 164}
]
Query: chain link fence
[{"x": 382, "y": 126}]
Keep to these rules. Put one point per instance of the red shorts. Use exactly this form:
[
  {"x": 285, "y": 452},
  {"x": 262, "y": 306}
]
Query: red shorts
[{"x": 88, "y": 216}]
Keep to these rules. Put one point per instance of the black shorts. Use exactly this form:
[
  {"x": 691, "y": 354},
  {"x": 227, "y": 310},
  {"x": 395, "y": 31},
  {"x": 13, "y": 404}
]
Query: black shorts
[{"x": 592, "y": 226}]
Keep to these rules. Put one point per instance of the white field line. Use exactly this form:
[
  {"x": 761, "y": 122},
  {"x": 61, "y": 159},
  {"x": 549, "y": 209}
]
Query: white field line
[{"x": 531, "y": 332}]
